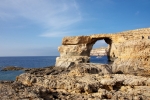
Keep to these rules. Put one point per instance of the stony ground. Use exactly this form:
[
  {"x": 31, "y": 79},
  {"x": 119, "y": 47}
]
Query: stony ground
[{"x": 80, "y": 82}]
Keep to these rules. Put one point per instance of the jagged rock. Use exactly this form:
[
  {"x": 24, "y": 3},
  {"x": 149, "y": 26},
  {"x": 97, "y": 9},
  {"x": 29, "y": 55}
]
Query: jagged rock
[
  {"x": 82, "y": 81},
  {"x": 88, "y": 79}
]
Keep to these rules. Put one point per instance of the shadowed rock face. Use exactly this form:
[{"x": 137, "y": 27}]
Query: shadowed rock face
[{"x": 129, "y": 50}]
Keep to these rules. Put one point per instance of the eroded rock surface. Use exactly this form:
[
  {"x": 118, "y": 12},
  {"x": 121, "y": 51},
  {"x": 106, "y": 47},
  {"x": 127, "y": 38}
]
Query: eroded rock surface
[
  {"x": 80, "y": 82},
  {"x": 129, "y": 51}
]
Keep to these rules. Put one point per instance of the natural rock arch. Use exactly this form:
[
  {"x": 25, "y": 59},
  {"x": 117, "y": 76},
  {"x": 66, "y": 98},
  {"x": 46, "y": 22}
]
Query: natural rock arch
[
  {"x": 127, "y": 49},
  {"x": 77, "y": 49}
]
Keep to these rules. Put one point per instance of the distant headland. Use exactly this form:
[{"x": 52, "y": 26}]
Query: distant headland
[{"x": 102, "y": 51}]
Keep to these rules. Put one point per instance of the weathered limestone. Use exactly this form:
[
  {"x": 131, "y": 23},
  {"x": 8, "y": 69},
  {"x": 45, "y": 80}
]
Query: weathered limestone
[
  {"x": 129, "y": 50},
  {"x": 83, "y": 81},
  {"x": 76, "y": 50}
]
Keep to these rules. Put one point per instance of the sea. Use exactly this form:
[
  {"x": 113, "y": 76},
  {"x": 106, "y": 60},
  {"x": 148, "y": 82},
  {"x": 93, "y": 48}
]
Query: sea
[{"x": 34, "y": 62}]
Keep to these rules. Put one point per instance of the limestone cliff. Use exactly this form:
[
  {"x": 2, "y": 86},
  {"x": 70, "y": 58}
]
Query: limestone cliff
[{"x": 128, "y": 50}]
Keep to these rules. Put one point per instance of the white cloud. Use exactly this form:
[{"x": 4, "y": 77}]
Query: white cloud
[
  {"x": 54, "y": 15},
  {"x": 55, "y": 34}
]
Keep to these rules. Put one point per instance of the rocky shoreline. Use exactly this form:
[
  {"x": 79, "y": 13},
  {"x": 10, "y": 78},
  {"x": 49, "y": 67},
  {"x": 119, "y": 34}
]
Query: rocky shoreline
[
  {"x": 82, "y": 82},
  {"x": 27, "y": 70},
  {"x": 74, "y": 78}
]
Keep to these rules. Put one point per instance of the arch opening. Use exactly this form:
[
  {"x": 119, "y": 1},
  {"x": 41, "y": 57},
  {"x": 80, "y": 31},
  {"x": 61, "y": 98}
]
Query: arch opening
[{"x": 100, "y": 51}]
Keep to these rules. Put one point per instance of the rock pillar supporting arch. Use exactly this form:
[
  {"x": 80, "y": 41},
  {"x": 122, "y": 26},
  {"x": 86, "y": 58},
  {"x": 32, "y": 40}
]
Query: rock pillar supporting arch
[{"x": 109, "y": 42}]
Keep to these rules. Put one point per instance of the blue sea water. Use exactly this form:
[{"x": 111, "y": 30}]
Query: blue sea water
[
  {"x": 33, "y": 62},
  {"x": 103, "y": 59}
]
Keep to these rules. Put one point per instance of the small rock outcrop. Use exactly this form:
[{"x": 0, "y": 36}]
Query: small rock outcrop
[
  {"x": 129, "y": 50},
  {"x": 12, "y": 68}
]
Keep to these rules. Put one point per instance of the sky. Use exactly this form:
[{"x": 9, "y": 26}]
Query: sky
[{"x": 37, "y": 27}]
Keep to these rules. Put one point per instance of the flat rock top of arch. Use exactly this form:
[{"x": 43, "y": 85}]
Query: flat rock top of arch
[{"x": 91, "y": 38}]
